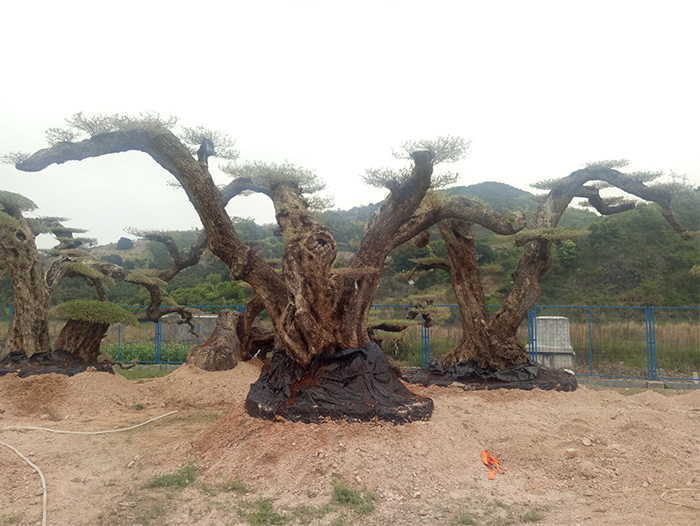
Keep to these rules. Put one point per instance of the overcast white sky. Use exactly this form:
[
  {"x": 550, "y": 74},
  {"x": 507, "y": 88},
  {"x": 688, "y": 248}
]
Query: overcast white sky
[{"x": 539, "y": 87}]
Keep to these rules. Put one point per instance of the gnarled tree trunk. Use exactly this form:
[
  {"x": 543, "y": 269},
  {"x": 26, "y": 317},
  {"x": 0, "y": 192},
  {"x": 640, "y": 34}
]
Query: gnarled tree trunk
[
  {"x": 29, "y": 328},
  {"x": 491, "y": 342},
  {"x": 82, "y": 338}
]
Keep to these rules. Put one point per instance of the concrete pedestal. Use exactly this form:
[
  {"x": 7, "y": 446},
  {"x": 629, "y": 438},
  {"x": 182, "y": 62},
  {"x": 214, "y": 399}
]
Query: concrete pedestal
[{"x": 554, "y": 349}]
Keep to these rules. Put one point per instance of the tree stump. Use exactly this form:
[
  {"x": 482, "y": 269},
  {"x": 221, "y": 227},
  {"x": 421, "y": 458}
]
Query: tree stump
[{"x": 222, "y": 350}]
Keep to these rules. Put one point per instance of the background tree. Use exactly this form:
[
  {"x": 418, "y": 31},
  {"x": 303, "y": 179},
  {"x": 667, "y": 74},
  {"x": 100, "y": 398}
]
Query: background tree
[
  {"x": 29, "y": 329},
  {"x": 125, "y": 243},
  {"x": 33, "y": 282},
  {"x": 87, "y": 325},
  {"x": 491, "y": 341}
]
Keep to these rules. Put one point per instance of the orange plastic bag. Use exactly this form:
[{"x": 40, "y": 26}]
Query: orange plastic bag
[{"x": 491, "y": 462}]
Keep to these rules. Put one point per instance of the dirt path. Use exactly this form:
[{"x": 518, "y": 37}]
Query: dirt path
[{"x": 588, "y": 457}]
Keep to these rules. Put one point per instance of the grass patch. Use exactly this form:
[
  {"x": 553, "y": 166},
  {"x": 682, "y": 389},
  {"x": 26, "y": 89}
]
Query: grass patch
[
  {"x": 10, "y": 519},
  {"x": 143, "y": 372},
  {"x": 264, "y": 514},
  {"x": 306, "y": 514},
  {"x": 204, "y": 416},
  {"x": 532, "y": 516},
  {"x": 145, "y": 351},
  {"x": 151, "y": 513},
  {"x": 183, "y": 477},
  {"x": 465, "y": 518},
  {"x": 234, "y": 486},
  {"x": 361, "y": 502}
]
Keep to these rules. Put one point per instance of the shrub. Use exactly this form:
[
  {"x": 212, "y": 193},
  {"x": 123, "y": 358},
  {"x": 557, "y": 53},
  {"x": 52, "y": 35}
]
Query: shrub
[{"x": 125, "y": 243}]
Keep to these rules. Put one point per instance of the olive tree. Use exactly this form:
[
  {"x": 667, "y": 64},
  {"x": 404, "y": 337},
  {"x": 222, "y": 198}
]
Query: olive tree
[
  {"x": 34, "y": 278},
  {"x": 315, "y": 309},
  {"x": 491, "y": 341}
]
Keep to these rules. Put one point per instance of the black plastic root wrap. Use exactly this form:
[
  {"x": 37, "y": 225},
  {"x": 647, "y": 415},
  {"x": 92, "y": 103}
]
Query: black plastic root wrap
[
  {"x": 352, "y": 385},
  {"x": 58, "y": 362},
  {"x": 469, "y": 375}
]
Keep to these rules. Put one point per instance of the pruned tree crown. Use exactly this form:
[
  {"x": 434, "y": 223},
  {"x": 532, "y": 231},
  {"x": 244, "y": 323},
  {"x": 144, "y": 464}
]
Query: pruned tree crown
[
  {"x": 442, "y": 149},
  {"x": 13, "y": 203},
  {"x": 94, "y": 312}
]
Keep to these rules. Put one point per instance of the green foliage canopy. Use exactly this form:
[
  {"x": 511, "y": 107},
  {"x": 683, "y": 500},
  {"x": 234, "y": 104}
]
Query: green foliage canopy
[{"x": 94, "y": 312}]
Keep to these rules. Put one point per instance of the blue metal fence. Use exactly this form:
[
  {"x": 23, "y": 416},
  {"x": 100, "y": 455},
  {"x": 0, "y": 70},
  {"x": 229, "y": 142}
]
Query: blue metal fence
[{"x": 656, "y": 343}]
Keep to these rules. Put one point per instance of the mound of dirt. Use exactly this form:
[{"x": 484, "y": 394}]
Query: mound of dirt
[
  {"x": 584, "y": 457},
  {"x": 191, "y": 387},
  {"x": 93, "y": 392},
  {"x": 87, "y": 393},
  {"x": 573, "y": 451}
]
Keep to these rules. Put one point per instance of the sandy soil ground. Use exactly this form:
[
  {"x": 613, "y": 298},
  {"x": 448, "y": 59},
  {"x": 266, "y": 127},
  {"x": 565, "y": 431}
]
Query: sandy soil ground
[{"x": 589, "y": 457}]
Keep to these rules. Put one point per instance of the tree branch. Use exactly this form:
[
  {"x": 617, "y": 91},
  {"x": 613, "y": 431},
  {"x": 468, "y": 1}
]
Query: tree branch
[
  {"x": 597, "y": 202},
  {"x": 240, "y": 185},
  {"x": 459, "y": 208},
  {"x": 59, "y": 153},
  {"x": 396, "y": 210},
  {"x": 167, "y": 150}
]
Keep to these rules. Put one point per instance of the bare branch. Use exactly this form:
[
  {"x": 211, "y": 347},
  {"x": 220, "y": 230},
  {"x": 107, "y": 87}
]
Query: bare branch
[
  {"x": 426, "y": 264},
  {"x": 554, "y": 235},
  {"x": 59, "y": 153},
  {"x": 432, "y": 210},
  {"x": 240, "y": 186}
]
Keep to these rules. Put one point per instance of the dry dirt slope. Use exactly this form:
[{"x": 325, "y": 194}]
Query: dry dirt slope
[{"x": 588, "y": 457}]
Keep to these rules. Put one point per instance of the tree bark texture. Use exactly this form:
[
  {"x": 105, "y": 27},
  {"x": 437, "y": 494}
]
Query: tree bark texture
[
  {"x": 82, "y": 338},
  {"x": 487, "y": 341},
  {"x": 222, "y": 350},
  {"x": 29, "y": 328}
]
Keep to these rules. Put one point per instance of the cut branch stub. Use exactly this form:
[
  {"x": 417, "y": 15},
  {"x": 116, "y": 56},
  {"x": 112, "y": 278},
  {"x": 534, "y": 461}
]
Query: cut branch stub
[{"x": 222, "y": 350}]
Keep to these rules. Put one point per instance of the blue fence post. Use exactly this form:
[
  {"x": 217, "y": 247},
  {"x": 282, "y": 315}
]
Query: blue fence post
[
  {"x": 647, "y": 327},
  {"x": 119, "y": 340},
  {"x": 590, "y": 342},
  {"x": 529, "y": 334},
  {"x": 654, "y": 371},
  {"x": 425, "y": 345},
  {"x": 532, "y": 333},
  {"x": 12, "y": 310},
  {"x": 157, "y": 347}
]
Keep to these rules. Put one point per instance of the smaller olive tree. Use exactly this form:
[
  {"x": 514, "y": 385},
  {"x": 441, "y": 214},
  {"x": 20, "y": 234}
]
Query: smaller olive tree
[
  {"x": 87, "y": 324},
  {"x": 34, "y": 278},
  {"x": 491, "y": 340}
]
